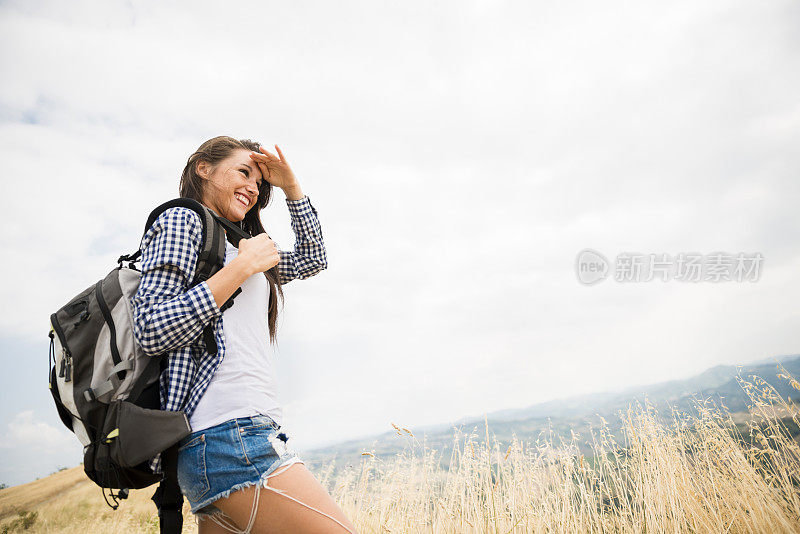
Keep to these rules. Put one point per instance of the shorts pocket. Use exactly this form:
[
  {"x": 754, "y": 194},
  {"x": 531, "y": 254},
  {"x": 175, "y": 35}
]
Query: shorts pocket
[
  {"x": 257, "y": 425},
  {"x": 192, "y": 477},
  {"x": 261, "y": 429},
  {"x": 257, "y": 444}
]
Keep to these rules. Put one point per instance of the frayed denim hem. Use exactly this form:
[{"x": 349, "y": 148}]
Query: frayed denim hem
[
  {"x": 207, "y": 511},
  {"x": 206, "y": 508}
]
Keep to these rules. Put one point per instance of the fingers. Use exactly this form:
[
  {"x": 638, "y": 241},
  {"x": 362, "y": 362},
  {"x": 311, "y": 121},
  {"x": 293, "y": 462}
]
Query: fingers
[
  {"x": 267, "y": 152},
  {"x": 262, "y": 157},
  {"x": 267, "y": 155},
  {"x": 263, "y": 163},
  {"x": 266, "y": 160},
  {"x": 264, "y": 169}
]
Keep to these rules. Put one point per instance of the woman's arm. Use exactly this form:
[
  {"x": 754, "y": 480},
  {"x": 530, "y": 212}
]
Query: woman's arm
[
  {"x": 166, "y": 313},
  {"x": 308, "y": 257}
]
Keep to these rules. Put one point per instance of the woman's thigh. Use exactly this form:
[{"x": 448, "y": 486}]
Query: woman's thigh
[
  {"x": 277, "y": 513},
  {"x": 208, "y": 526}
]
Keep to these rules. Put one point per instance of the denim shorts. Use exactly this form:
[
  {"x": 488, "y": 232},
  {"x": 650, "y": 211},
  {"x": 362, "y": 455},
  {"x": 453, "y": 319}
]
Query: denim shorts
[{"x": 217, "y": 461}]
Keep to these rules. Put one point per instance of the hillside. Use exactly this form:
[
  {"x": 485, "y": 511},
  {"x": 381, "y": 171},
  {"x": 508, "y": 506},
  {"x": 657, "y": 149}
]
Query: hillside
[
  {"x": 746, "y": 467},
  {"x": 67, "y": 502},
  {"x": 576, "y": 414}
]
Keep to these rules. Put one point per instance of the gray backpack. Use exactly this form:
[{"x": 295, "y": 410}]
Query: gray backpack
[{"x": 105, "y": 387}]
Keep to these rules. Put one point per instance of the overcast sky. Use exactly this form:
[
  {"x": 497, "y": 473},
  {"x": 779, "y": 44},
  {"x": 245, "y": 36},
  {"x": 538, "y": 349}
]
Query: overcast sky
[{"x": 460, "y": 156}]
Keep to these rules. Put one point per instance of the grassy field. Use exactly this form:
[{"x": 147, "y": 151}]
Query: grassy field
[
  {"x": 68, "y": 502},
  {"x": 703, "y": 470}
]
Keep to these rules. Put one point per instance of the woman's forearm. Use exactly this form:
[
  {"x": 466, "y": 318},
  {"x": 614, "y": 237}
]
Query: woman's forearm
[
  {"x": 228, "y": 279},
  {"x": 294, "y": 192}
]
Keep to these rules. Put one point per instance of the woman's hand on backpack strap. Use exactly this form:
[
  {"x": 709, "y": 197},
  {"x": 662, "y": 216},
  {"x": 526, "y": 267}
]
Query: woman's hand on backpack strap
[{"x": 258, "y": 253}]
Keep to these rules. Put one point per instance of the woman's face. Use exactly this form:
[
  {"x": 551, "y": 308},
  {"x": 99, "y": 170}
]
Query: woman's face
[{"x": 232, "y": 187}]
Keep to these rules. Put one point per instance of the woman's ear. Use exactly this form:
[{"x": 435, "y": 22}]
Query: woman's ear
[{"x": 203, "y": 168}]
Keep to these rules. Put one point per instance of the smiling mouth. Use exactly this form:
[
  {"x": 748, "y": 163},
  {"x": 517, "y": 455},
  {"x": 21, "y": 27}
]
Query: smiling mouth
[{"x": 242, "y": 199}]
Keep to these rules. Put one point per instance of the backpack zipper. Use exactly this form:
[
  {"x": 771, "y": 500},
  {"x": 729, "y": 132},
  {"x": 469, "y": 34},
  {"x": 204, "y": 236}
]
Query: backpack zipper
[
  {"x": 68, "y": 367},
  {"x": 65, "y": 370},
  {"x": 62, "y": 369}
]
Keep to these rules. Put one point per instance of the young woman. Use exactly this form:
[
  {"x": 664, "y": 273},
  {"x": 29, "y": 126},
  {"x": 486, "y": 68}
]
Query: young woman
[{"x": 235, "y": 468}]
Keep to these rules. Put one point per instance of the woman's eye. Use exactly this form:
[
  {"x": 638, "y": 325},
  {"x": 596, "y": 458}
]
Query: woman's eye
[{"x": 245, "y": 172}]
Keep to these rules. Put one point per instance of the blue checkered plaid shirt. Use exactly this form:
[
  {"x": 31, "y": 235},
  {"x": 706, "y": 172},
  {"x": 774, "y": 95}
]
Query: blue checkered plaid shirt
[{"x": 169, "y": 317}]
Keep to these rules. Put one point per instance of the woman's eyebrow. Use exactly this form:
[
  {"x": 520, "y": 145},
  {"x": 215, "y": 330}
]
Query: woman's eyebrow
[{"x": 251, "y": 170}]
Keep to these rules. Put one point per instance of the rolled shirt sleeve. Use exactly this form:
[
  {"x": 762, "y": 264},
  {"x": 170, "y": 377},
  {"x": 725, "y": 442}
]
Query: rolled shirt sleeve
[{"x": 308, "y": 257}]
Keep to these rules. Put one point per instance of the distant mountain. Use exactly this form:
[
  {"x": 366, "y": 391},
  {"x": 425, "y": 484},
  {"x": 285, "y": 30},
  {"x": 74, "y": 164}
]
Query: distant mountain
[
  {"x": 575, "y": 413},
  {"x": 718, "y": 380}
]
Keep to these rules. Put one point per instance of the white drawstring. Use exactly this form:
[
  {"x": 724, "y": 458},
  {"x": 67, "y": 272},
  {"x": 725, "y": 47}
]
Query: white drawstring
[{"x": 221, "y": 521}]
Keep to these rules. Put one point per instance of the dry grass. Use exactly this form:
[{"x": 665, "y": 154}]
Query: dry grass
[
  {"x": 68, "y": 502},
  {"x": 687, "y": 472},
  {"x": 679, "y": 472}
]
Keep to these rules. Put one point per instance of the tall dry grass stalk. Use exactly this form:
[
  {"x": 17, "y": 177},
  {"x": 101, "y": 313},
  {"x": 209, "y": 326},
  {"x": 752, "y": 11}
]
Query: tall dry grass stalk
[
  {"x": 686, "y": 472},
  {"x": 704, "y": 471}
]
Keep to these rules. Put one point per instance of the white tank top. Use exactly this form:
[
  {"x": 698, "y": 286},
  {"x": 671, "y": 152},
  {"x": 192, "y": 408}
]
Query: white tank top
[{"x": 245, "y": 383}]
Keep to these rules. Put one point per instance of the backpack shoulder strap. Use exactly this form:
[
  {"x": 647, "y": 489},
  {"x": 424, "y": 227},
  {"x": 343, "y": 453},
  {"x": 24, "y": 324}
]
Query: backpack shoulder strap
[
  {"x": 213, "y": 250},
  {"x": 168, "y": 497},
  {"x": 211, "y": 256},
  {"x": 233, "y": 232}
]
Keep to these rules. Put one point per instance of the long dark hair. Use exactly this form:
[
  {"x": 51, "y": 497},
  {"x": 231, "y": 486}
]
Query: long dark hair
[{"x": 193, "y": 186}]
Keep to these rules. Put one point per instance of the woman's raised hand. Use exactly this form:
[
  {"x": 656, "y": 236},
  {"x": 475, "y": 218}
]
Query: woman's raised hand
[
  {"x": 275, "y": 169},
  {"x": 258, "y": 253}
]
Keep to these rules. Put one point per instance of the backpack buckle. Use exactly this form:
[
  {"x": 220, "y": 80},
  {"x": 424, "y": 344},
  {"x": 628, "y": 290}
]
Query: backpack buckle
[{"x": 131, "y": 258}]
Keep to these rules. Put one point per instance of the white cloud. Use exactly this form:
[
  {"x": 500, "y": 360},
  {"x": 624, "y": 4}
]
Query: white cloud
[
  {"x": 31, "y": 448},
  {"x": 459, "y": 157},
  {"x": 26, "y": 431}
]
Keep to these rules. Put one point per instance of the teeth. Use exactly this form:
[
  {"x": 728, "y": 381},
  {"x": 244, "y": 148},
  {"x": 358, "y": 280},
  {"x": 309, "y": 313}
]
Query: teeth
[{"x": 242, "y": 199}]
